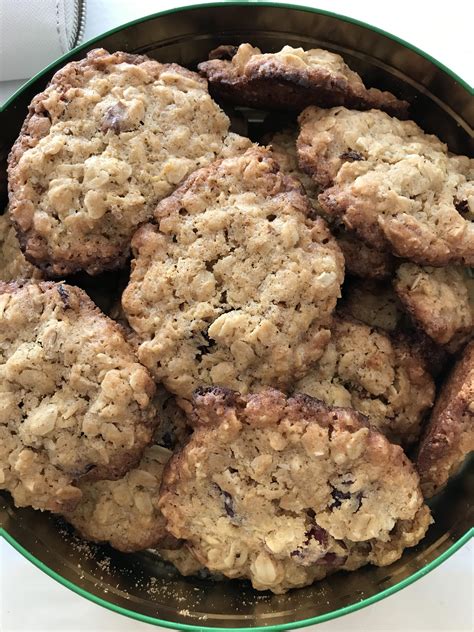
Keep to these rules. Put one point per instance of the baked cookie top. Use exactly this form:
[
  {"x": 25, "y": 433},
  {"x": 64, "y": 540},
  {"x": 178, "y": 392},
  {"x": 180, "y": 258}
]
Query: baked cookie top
[
  {"x": 124, "y": 512},
  {"x": 236, "y": 284},
  {"x": 383, "y": 378},
  {"x": 283, "y": 148},
  {"x": 360, "y": 260},
  {"x": 291, "y": 78},
  {"x": 396, "y": 187},
  {"x": 438, "y": 301},
  {"x": 284, "y": 490},
  {"x": 74, "y": 399},
  {"x": 109, "y": 137},
  {"x": 449, "y": 435},
  {"x": 13, "y": 264},
  {"x": 373, "y": 303}
]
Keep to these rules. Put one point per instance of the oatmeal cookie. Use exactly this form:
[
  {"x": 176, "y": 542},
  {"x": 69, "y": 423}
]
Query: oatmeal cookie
[
  {"x": 438, "y": 301},
  {"x": 361, "y": 260},
  {"x": 291, "y": 79},
  {"x": 13, "y": 264},
  {"x": 109, "y": 137},
  {"x": 373, "y": 303},
  {"x": 181, "y": 557},
  {"x": 396, "y": 187},
  {"x": 376, "y": 304},
  {"x": 449, "y": 434},
  {"x": 74, "y": 402},
  {"x": 125, "y": 512},
  {"x": 283, "y": 148},
  {"x": 284, "y": 490},
  {"x": 383, "y": 378},
  {"x": 236, "y": 284}
]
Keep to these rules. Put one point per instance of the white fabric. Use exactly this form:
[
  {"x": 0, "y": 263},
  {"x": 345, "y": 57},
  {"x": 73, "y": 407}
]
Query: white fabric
[{"x": 33, "y": 33}]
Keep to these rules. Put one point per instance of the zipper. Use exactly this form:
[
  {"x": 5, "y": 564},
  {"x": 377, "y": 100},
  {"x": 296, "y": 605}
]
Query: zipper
[{"x": 79, "y": 22}]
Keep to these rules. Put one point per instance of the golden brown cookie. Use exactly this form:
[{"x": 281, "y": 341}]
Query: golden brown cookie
[
  {"x": 291, "y": 79},
  {"x": 125, "y": 512},
  {"x": 396, "y": 187},
  {"x": 283, "y": 148},
  {"x": 284, "y": 490},
  {"x": 361, "y": 260},
  {"x": 373, "y": 303},
  {"x": 438, "y": 301},
  {"x": 75, "y": 401},
  {"x": 236, "y": 284},
  {"x": 449, "y": 435},
  {"x": 109, "y": 137},
  {"x": 13, "y": 265},
  {"x": 383, "y": 378}
]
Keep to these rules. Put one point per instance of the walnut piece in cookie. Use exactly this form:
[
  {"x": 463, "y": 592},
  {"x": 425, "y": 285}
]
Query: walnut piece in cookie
[
  {"x": 291, "y": 78},
  {"x": 284, "y": 490},
  {"x": 109, "y": 137},
  {"x": 75, "y": 401},
  {"x": 236, "y": 284},
  {"x": 394, "y": 186},
  {"x": 438, "y": 301},
  {"x": 383, "y": 378},
  {"x": 449, "y": 435},
  {"x": 13, "y": 265}
]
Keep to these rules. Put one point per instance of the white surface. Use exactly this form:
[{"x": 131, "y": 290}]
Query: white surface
[
  {"x": 442, "y": 29},
  {"x": 440, "y": 601},
  {"x": 32, "y": 602},
  {"x": 45, "y": 27}
]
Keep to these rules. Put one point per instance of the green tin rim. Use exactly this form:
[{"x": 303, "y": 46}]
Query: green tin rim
[
  {"x": 298, "y": 7},
  {"x": 282, "y": 626},
  {"x": 271, "y": 628}
]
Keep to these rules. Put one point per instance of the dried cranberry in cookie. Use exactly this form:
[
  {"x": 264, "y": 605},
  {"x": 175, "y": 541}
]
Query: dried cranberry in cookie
[
  {"x": 235, "y": 284},
  {"x": 74, "y": 402},
  {"x": 109, "y": 137},
  {"x": 284, "y": 490}
]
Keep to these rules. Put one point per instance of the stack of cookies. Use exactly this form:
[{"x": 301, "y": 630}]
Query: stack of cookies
[{"x": 284, "y": 373}]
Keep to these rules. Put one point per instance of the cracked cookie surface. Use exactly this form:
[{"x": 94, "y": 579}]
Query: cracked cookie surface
[
  {"x": 109, "y": 137},
  {"x": 236, "y": 284},
  {"x": 360, "y": 260},
  {"x": 382, "y": 378},
  {"x": 284, "y": 490},
  {"x": 125, "y": 512},
  {"x": 396, "y": 187},
  {"x": 291, "y": 79},
  {"x": 75, "y": 401},
  {"x": 449, "y": 435}
]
